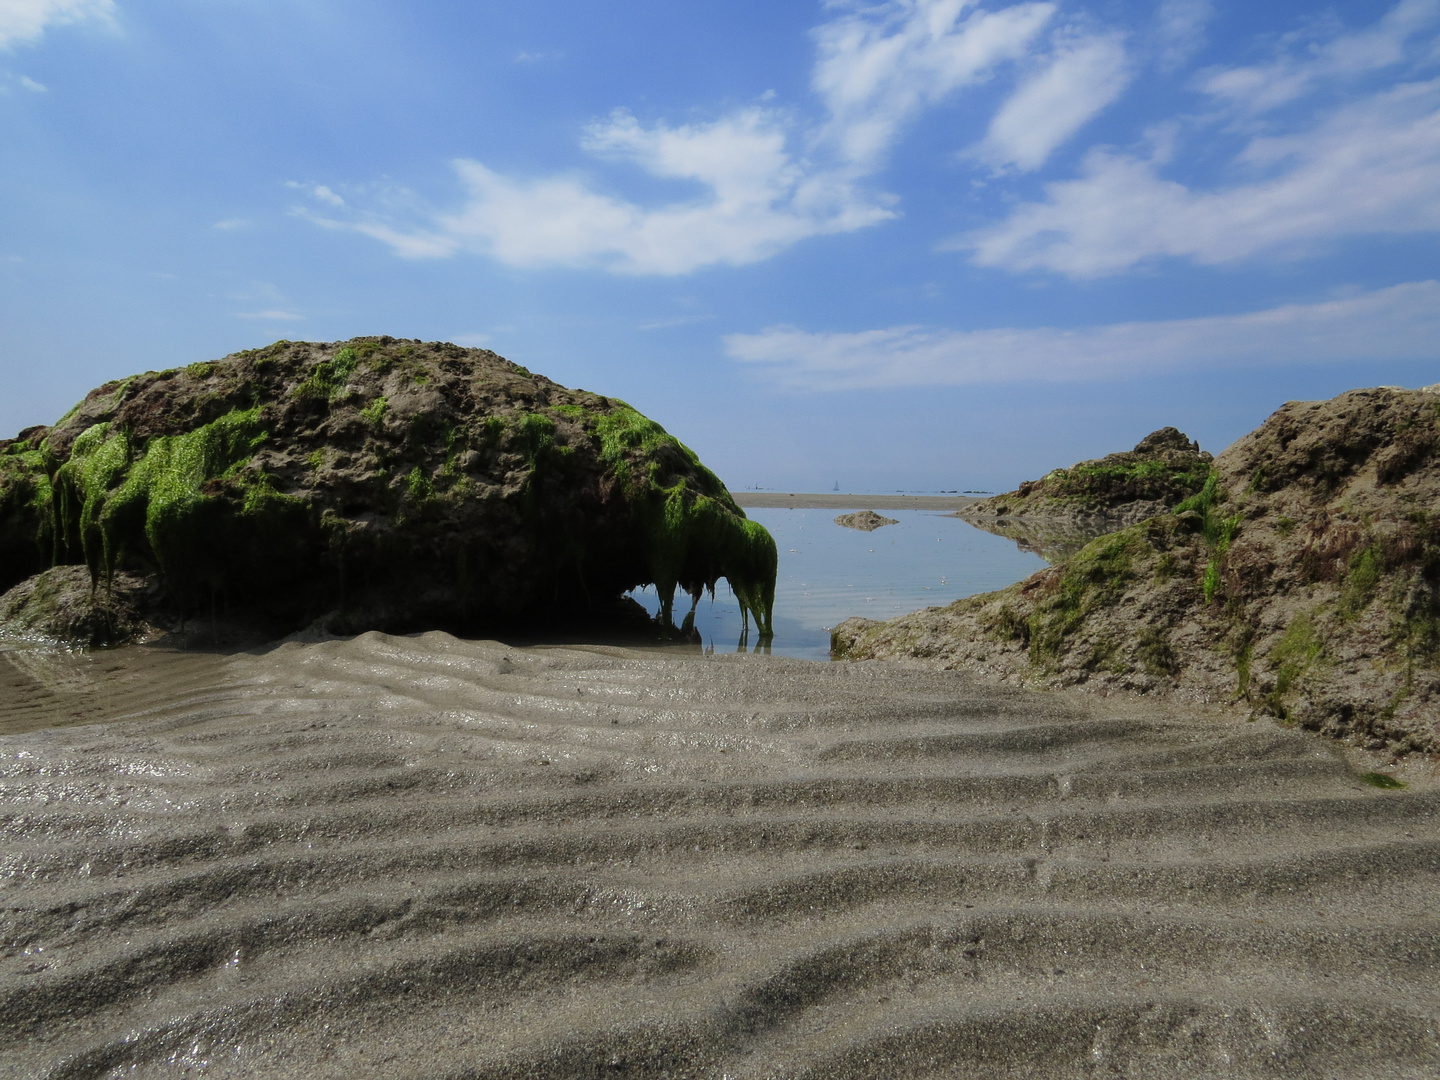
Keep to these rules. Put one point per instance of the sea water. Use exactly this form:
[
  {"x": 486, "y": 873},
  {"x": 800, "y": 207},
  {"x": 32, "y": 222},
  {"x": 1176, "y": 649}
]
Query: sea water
[{"x": 828, "y": 573}]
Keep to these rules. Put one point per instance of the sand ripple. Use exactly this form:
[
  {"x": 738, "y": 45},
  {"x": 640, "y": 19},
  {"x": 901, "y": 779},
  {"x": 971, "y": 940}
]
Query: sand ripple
[{"x": 423, "y": 857}]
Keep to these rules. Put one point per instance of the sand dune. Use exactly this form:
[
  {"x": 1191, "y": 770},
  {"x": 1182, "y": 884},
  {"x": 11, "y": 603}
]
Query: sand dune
[{"x": 423, "y": 857}]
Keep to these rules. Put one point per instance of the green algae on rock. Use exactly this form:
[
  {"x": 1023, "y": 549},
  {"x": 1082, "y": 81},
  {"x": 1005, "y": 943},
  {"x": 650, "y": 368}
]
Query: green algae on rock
[
  {"x": 1165, "y": 468},
  {"x": 1301, "y": 581},
  {"x": 378, "y": 483},
  {"x": 62, "y": 605}
]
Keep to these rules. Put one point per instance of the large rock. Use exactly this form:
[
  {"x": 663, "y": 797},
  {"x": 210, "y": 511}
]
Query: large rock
[
  {"x": 377, "y": 483},
  {"x": 1165, "y": 468},
  {"x": 1302, "y": 581},
  {"x": 63, "y": 606}
]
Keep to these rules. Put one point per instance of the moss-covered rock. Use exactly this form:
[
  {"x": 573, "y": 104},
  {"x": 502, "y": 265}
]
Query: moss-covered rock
[
  {"x": 62, "y": 606},
  {"x": 378, "y": 483},
  {"x": 1165, "y": 468},
  {"x": 1301, "y": 580}
]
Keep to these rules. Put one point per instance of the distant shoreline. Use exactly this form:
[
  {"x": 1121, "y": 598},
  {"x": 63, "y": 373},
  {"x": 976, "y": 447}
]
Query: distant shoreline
[{"x": 779, "y": 500}]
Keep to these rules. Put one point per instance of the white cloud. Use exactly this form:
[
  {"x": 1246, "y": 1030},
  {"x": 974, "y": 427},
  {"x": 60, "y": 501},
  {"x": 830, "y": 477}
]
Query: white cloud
[
  {"x": 1372, "y": 167},
  {"x": 1398, "y": 323},
  {"x": 1382, "y": 45},
  {"x": 1180, "y": 31},
  {"x": 231, "y": 224},
  {"x": 879, "y": 66},
  {"x": 757, "y": 202},
  {"x": 33, "y": 86},
  {"x": 1084, "y": 75},
  {"x": 763, "y": 185},
  {"x": 319, "y": 192},
  {"x": 24, "y": 21}
]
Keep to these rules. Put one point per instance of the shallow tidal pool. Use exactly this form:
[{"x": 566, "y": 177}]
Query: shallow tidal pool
[{"x": 828, "y": 573}]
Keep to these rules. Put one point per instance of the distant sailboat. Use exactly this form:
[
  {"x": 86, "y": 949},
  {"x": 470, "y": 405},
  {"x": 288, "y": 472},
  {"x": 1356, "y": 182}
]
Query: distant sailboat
[{"x": 837, "y": 485}]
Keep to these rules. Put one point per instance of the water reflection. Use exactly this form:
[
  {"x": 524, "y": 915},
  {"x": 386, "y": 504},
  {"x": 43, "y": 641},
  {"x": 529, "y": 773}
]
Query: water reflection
[
  {"x": 1053, "y": 539},
  {"x": 828, "y": 573},
  {"x": 763, "y": 645}
]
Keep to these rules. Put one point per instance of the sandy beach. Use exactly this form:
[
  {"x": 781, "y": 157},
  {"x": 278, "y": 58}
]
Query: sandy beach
[{"x": 426, "y": 857}]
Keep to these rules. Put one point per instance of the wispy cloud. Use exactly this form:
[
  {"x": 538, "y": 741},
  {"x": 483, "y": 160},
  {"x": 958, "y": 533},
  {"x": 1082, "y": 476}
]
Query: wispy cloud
[
  {"x": 1398, "y": 323},
  {"x": 756, "y": 180},
  {"x": 677, "y": 320},
  {"x": 1384, "y": 44},
  {"x": 764, "y": 183},
  {"x": 274, "y": 314},
  {"x": 758, "y": 202},
  {"x": 1371, "y": 167},
  {"x": 24, "y": 21},
  {"x": 1083, "y": 75},
  {"x": 1179, "y": 31},
  {"x": 33, "y": 86},
  {"x": 877, "y": 67},
  {"x": 318, "y": 192},
  {"x": 231, "y": 224}
]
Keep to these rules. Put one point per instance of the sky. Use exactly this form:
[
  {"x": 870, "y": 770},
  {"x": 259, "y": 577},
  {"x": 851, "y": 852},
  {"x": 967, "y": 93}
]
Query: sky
[{"x": 920, "y": 245}]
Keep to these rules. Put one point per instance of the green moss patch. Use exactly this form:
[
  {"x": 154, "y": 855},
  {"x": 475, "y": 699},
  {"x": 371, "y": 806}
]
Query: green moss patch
[
  {"x": 115, "y": 498},
  {"x": 329, "y": 378},
  {"x": 1218, "y": 529},
  {"x": 374, "y": 413},
  {"x": 1297, "y": 651},
  {"x": 1107, "y": 482},
  {"x": 27, "y": 511},
  {"x": 1381, "y": 780},
  {"x": 1090, "y": 580},
  {"x": 696, "y": 533}
]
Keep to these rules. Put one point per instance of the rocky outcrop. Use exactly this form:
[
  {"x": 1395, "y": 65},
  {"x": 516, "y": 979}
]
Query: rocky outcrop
[
  {"x": 374, "y": 483},
  {"x": 1302, "y": 581},
  {"x": 864, "y": 520},
  {"x": 62, "y": 604},
  {"x": 1165, "y": 468}
]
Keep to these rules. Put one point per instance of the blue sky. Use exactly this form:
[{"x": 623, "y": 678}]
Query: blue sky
[{"x": 920, "y": 245}]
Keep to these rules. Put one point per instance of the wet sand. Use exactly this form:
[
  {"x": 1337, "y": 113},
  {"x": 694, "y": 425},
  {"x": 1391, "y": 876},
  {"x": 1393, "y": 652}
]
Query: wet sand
[{"x": 424, "y": 857}]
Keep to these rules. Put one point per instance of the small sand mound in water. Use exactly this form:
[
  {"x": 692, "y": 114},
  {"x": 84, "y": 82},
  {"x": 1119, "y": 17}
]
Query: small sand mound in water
[
  {"x": 864, "y": 520},
  {"x": 426, "y": 857}
]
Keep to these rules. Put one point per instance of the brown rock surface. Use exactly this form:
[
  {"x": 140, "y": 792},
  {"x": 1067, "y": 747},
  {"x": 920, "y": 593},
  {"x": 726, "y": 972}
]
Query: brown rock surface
[
  {"x": 62, "y": 605},
  {"x": 1303, "y": 582},
  {"x": 864, "y": 520},
  {"x": 1164, "y": 468},
  {"x": 375, "y": 483}
]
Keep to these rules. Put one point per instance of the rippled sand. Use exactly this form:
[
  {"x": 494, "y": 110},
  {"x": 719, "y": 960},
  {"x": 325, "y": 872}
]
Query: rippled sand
[{"x": 424, "y": 857}]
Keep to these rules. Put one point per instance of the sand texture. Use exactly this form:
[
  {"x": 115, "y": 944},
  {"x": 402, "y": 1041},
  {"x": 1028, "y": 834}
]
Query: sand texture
[{"x": 424, "y": 857}]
